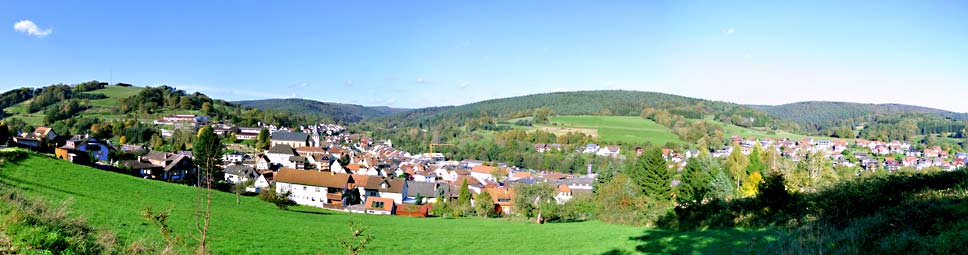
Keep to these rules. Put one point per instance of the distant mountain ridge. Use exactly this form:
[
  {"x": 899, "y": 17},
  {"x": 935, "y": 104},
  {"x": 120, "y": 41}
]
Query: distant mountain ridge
[
  {"x": 818, "y": 111},
  {"x": 336, "y": 111}
]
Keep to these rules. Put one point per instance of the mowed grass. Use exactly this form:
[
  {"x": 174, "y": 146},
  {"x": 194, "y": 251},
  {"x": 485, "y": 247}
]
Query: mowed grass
[
  {"x": 636, "y": 129},
  {"x": 731, "y": 130},
  {"x": 616, "y": 128},
  {"x": 113, "y": 93},
  {"x": 115, "y": 201},
  {"x": 101, "y": 108}
]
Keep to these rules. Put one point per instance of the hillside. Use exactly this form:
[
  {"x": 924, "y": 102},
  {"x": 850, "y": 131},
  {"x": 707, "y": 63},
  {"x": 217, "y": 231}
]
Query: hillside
[
  {"x": 114, "y": 202},
  {"x": 612, "y": 102},
  {"x": 819, "y": 111},
  {"x": 104, "y": 108},
  {"x": 335, "y": 111}
]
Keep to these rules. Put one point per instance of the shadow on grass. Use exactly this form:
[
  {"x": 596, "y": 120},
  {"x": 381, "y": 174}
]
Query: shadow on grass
[
  {"x": 719, "y": 241},
  {"x": 309, "y": 210},
  {"x": 27, "y": 186}
]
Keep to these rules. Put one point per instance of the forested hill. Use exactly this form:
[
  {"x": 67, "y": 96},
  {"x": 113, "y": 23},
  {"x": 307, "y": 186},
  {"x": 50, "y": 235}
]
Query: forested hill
[
  {"x": 604, "y": 102},
  {"x": 820, "y": 111},
  {"x": 335, "y": 111},
  {"x": 871, "y": 121}
]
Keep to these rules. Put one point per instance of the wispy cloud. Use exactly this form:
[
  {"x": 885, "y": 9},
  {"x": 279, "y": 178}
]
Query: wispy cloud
[
  {"x": 728, "y": 31},
  {"x": 421, "y": 80},
  {"x": 464, "y": 85},
  {"x": 30, "y": 28}
]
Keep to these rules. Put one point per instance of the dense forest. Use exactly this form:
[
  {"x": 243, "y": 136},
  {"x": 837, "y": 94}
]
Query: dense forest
[
  {"x": 871, "y": 121},
  {"x": 342, "y": 113}
]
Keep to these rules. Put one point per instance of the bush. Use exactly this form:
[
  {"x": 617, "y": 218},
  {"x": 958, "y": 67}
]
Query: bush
[
  {"x": 280, "y": 200},
  {"x": 32, "y": 227},
  {"x": 12, "y": 155}
]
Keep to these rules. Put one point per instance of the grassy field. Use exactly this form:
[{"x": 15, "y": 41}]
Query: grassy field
[
  {"x": 613, "y": 128},
  {"x": 114, "y": 201},
  {"x": 636, "y": 129},
  {"x": 730, "y": 130},
  {"x": 101, "y": 108}
]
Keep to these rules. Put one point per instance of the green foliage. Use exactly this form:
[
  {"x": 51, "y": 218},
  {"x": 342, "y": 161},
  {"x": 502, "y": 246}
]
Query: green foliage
[
  {"x": 695, "y": 182},
  {"x": 232, "y": 225},
  {"x": 208, "y": 154},
  {"x": 464, "y": 197},
  {"x": 484, "y": 204},
  {"x": 342, "y": 113},
  {"x": 281, "y": 201},
  {"x": 881, "y": 121},
  {"x": 652, "y": 175},
  {"x": 620, "y": 202},
  {"x": 30, "y": 226},
  {"x": 529, "y": 200},
  {"x": 262, "y": 140},
  {"x": 356, "y": 242},
  {"x": 722, "y": 186}
]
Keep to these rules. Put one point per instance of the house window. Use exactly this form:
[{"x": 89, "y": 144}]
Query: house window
[
  {"x": 377, "y": 204},
  {"x": 304, "y": 188},
  {"x": 317, "y": 189}
]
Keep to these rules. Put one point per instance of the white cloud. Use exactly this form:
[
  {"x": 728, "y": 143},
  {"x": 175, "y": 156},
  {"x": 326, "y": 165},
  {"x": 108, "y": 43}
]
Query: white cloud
[
  {"x": 421, "y": 81},
  {"x": 464, "y": 85},
  {"x": 729, "y": 31},
  {"x": 28, "y": 27}
]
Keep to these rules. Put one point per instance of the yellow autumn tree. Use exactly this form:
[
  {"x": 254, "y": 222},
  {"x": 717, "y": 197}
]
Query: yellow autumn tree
[
  {"x": 751, "y": 185},
  {"x": 124, "y": 140}
]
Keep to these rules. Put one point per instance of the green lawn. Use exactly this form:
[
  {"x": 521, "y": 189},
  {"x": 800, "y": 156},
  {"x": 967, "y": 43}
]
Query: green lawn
[
  {"x": 730, "y": 130},
  {"x": 114, "y": 201},
  {"x": 636, "y": 129},
  {"x": 615, "y": 128}
]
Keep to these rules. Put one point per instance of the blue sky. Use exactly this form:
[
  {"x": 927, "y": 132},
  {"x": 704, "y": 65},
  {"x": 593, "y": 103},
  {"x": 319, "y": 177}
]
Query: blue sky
[{"x": 410, "y": 54}]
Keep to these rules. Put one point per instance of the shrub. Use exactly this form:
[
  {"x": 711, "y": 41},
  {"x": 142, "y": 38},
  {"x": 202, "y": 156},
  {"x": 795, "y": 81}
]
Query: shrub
[{"x": 280, "y": 200}]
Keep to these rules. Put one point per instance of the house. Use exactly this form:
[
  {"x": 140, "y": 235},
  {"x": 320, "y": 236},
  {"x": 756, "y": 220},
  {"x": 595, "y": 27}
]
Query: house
[
  {"x": 428, "y": 192},
  {"x": 239, "y": 173},
  {"x": 173, "y": 166},
  {"x": 501, "y": 197},
  {"x": 314, "y": 188},
  {"x": 609, "y": 151},
  {"x": 591, "y": 148},
  {"x": 264, "y": 181},
  {"x": 262, "y": 162},
  {"x": 391, "y": 188},
  {"x": 563, "y": 194},
  {"x": 279, "y": 156},
  {"x": 234, "y": 157},
  {"x": 486, "y": 173},
  {"x": 44, "y": 133},
  {"x": 292, "y": 139},
  {"x": 379, "y": 205},
  {"x": 85, "y": 151}
]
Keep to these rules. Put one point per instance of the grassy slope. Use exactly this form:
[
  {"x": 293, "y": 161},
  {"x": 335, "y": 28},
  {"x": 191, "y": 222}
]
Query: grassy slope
[
  {"x": 618, "y": 128},
  {"x": 637, "y": 129},
  {"x": 102, "y": 108},
  {"x": 114, "y": 201}
]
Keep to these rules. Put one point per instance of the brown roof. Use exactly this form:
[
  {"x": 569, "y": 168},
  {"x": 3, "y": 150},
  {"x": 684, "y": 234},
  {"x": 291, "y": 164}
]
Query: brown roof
[
  {"x": 387, "y": 203},
  {"x": 309, "y": 149},
  {"x": 482, "y": 169},
  {"x": 499, "y": 193},
  {"x": 393, "y": 185},
  {"x": 313, "y": 178},
  {"x": 470, "y": 180}
]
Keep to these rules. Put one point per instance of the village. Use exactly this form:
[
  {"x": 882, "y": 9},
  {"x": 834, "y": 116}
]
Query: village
[{"x": 324, "y": 166}]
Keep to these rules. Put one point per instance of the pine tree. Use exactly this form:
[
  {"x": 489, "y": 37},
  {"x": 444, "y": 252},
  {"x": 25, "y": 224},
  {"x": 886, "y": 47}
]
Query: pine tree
[
  {"x": 464, "y": 197},
  {"x": 656, "y": 177},
  {"x": 695, "y": 182},
  {"x": 722, "y": 187}
]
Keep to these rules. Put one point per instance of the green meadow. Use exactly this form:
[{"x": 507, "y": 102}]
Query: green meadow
[{"x": 114, "y": 202}]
